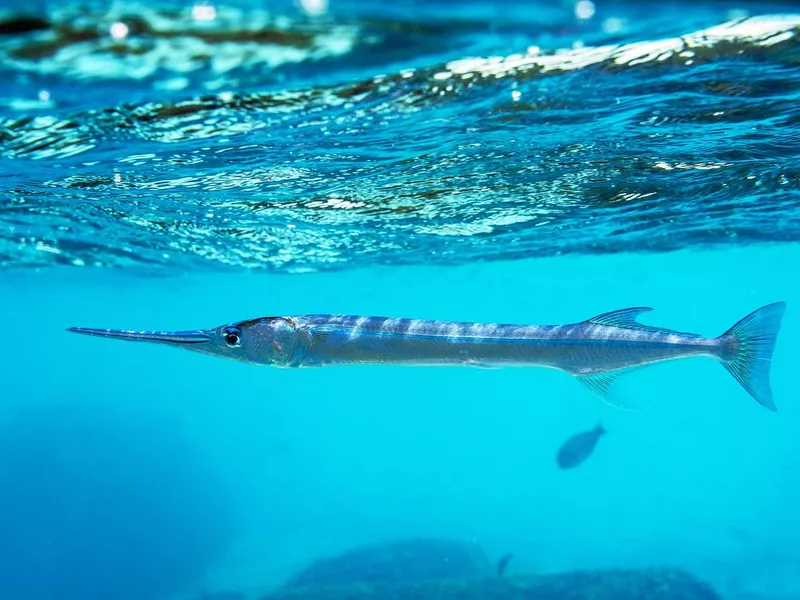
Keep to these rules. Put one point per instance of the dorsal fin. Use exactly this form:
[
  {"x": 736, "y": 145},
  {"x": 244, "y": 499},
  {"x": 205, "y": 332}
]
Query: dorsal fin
[{"x": 626, "y": 318}]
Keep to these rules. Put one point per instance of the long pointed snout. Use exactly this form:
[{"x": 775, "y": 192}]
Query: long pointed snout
[{"x": 175, "y": 338}]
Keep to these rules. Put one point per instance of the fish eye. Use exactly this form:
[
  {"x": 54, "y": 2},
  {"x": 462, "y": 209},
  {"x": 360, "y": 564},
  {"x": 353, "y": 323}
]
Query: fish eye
[{"x": 232, "y": 336}]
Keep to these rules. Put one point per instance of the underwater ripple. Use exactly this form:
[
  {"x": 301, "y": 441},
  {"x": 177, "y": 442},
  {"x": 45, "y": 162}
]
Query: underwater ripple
[{"x": 274, "y": 146}]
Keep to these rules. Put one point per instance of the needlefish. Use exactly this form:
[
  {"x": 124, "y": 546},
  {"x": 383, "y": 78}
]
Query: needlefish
[{"x": 594, "y": 351}]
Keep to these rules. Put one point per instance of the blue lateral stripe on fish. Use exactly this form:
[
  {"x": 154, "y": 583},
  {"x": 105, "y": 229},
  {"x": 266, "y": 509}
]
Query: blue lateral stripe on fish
[{"x": 595, "y": 351}]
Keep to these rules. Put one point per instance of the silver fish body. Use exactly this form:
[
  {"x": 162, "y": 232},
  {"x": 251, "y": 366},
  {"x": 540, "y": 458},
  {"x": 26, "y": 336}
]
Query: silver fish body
[
  {"x": 579, "y": 349},
  {"x": 595, "y": 351}
]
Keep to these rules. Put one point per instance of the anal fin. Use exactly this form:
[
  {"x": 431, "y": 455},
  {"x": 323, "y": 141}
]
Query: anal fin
[{"x": 602, "y": 385}]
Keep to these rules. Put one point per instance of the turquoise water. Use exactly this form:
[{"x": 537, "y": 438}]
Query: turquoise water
[
  {"x": 701, "y": 477},
  {"x": 142, "y": 472}
]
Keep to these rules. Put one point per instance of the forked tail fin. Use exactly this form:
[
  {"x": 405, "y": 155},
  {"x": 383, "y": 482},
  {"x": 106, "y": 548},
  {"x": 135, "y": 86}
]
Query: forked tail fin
[{"x": 748, "y": 348}]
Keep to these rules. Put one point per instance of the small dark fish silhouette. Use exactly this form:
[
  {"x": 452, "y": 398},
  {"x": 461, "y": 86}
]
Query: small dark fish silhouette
[
  {"x": 578, "y": 448},
  {"x": 503, "y": 563}
]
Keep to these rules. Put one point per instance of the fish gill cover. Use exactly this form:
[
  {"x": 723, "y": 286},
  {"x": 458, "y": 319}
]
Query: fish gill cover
[{"x": 315, "y": 137}]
